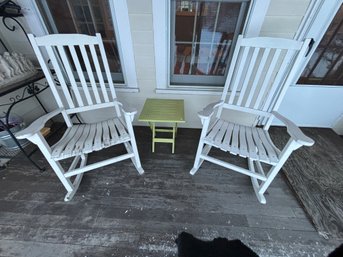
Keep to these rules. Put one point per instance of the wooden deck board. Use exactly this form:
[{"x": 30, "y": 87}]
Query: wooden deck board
[
  {"x": 316, "y": 175},
  {"x": 116, "y": 212}
]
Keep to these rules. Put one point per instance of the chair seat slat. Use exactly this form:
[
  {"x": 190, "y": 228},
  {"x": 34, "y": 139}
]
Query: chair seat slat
[
  {"x": 251, "y": 145},
  {"x": 59, "y": 147},
  {"x": 81, "y": 142},
  {"x": 69, "y": 149},
  {"x": 85, "y": 138},
  {"x": 121, "y": 129},
  {"x": 245, "y": 141},
  {"x": 243, "y": 148},
  {"x": 106, "y": 134},
  {"x": 260, "y": 149},
  {"x": 267, "y": 145},
  {"x": 90, "y": 139},
  {"x": 214, "y": 130},
  {"x": 98, "y": 137},
  {"x": 227, "y": 139},
  {"x": 220, "y": 135},
  {"x": 234, "y": 146},
  {"x": 113, "y": 130}
]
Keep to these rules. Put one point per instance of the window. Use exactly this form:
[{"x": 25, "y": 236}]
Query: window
[
  {"x": 202, "y": 35},
  {"x": 194, "y": 41},
  {"x": 326, "y": 64},
  {"x": 107, "y": 17}
]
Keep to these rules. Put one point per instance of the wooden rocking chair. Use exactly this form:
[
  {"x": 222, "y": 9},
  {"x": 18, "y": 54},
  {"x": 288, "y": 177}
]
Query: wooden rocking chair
[
  {"x": 80, "y": 139},
  {"x": 260, "y": 73}
]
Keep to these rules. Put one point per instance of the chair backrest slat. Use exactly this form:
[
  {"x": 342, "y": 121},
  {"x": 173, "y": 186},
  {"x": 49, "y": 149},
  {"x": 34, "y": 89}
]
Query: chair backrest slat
[
  {"x": 90, "y": 73},
  {"x": 60, "y": 76},
  {"x": 107, "y": 68},
  {"x": 46, "y": 71},
  {"x": 248, "y": 76},
  {"x": 99, "y": 73},
  {"x": 261, "y": 71},
  {"x": 267, "y": 78},
  {"x": 261, "y": 66},
  {"x": 80, "y": 74},
  {"x": 76, "y": 58},
  {"x": 239, "y": 75},
  {"x": 70, "y": 74},
  {"x": 278, "y": 80}
]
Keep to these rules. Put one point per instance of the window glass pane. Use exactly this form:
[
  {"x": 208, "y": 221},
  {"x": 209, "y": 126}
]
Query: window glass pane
[
  {"x": 202, "y": 34},
  {"x": 85, "y": 17},
  {"x": 326, "y": 65}
]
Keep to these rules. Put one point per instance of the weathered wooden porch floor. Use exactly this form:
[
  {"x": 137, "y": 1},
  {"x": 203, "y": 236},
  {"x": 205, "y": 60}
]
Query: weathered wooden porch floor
[{"x": 116, "y": 212}]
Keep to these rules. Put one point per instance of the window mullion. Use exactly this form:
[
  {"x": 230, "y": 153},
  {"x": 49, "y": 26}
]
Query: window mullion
[
  {"x": 194, "y": 38},
  {"x": 235, "y": 35},
  {"x": 90, "y": 6},
  {"x": 213, "y": 35}
]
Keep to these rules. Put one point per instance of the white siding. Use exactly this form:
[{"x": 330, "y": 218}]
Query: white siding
[{"x": 283, "y": 18}]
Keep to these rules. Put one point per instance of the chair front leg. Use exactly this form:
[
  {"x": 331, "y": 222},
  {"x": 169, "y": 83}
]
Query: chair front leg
[
  {"x": 286, "y": 152},
  {"x": 198, "y": 161},
  {"x": 136, "y": 160},
  {"x": 40, "y": 141}
]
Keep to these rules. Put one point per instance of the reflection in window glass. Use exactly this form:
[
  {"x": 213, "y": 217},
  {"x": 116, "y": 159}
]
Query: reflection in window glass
[
  {"x": 84, "y": 17},
  {"x": 202, "y": 36},
  {"x": 326, "y": 65}
]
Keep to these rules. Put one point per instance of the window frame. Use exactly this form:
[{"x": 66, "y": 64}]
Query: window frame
[
  {"x": 162, "y": 25},
  {"x": 195, "y": 79},
  {"x": 120, "y": 18}
]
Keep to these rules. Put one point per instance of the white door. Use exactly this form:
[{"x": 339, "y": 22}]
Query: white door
[{"x": 316, "y": 99}]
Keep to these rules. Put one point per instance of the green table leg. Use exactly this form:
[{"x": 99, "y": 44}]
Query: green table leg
[
  {"x": 153, "y": 136},
  {"x": 174, "y": 133}
]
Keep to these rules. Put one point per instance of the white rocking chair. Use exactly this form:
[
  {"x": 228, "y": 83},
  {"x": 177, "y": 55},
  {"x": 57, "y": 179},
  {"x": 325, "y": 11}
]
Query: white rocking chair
[
  {"x": 80, "y": 139},
  {"x": 260, "y": 73}
]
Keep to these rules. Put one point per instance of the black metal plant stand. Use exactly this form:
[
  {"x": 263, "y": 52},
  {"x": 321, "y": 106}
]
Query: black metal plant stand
[
  {"x": 10, "y": 10},
  {"x": 30, "y": 88}
]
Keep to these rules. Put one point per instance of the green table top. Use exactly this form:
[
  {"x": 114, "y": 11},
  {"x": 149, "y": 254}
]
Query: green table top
[{"x": 162, "y": 110}]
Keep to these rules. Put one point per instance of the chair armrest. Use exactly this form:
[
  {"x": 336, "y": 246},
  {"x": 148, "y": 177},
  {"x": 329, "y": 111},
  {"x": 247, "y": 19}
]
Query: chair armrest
[
  {"x": 37, "y": 125},
  {"x": 209, "y": 109},
  {"x": 127, "y": 110},
  {"x": 294, "y": 131}
]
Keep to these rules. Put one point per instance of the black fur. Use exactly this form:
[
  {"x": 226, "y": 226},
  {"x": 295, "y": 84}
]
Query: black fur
[
  {"x": 338, "y": 252},
  {"x": 189, "y": 246}
]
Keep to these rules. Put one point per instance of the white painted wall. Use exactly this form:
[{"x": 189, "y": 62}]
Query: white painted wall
[
  {"x": 319, "y": 107},
  {"x": 310, "y": 106}
]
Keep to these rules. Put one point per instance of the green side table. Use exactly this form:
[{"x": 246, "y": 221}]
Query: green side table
[{"x": 163, "y": 111}]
